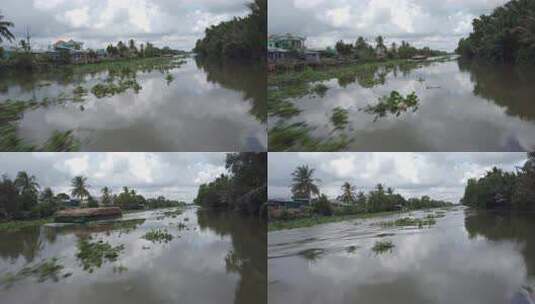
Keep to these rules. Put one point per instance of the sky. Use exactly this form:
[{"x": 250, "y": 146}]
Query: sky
[
  {"x": 175, "y": 23},
  {"x": 174, "y": 175},
  {"x": 439, "y": 175},
  {"x": 438, "y": 24}
]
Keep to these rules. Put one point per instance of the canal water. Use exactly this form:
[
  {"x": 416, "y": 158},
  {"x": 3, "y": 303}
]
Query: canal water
[
  {"x": 466, "y": 257},
  {"x": 462, "y": 107},
  {"x": 204, "y": 107},
  {"x": 214, "y": 258}
]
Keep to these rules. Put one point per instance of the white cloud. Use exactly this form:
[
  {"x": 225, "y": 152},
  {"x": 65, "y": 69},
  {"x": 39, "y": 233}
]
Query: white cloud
[
  {"x": 440, "y": 175},
  {"x": 175, "y": 175},
  {"x": 438, "y": 24}
]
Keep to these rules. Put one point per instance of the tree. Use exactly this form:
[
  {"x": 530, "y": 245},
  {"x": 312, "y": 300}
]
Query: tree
[
  {"x": 380, "y": 42},
  {"x": 79, "y": 187},
  {"x": 141, "y": 50},
  {"x": 106, "y": 196},
  {"x": 322, "y": 206},
  {"x": 241, "y": 37},
  {"x": 507, "y": 35},
  {"x": 5, "y": 33},
  {"x": 303, "y": 183},
  {"x": 343, "y": 48},
  {"x": 348, "y": 193},
  {"x": 26, "y": 183},
  {"x": 9, "y": 196},
  {"x": 122, "y": 49},
  {"x": 132, "y": 46},
  {"x": 524, "y": 194}
]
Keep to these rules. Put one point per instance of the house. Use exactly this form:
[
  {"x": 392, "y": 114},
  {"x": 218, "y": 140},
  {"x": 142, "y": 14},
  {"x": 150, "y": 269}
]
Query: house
[
  {"x": 287, "y": 42},
  {"x": 277, "y": 54},
  {"x": 73, "y": 48},
  {"x": 69, "y": 45},
  {"x": 288, "y": 204},
  {"x": 312, "y": 56}
]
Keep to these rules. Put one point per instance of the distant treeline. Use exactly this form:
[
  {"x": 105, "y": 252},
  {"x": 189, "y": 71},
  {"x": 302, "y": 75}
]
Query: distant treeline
[
  {"x": 240, "y": 38},
  {"x": 364, "y": 51},
  {"x": 499, "y": 189},
  {"x": 21, "y": 198},
  {"x": 380, "y": 199},
  {"x": 243, "y": 190},
  {"x": 507, "y": 35}
]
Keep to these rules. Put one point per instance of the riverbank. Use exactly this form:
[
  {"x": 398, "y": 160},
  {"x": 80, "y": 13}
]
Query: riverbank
[
  {"x": 296, "y": 84},
  {"x": 318, "y": 220},
  {"x": 15, "y": 226},
  {"x": 118, "y": 77}
]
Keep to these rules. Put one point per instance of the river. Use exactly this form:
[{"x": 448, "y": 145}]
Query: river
[
  {"x": 462, "y": 107},
  {"x": 201, "y": 107},
  {"x": 214, "y": 258},
  {"x": 466, "y": 257}
]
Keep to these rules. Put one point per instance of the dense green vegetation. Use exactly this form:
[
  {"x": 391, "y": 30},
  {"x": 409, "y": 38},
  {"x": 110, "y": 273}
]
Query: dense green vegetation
[
  {"x": 499, "y": 189},
  {"x": 507, "y": 35},
  {"x": 363, "y": 51},
  {"x": 240, "y": 38},
  {"x": 244, "y": 189},
  {"x": 349, "y": 204},
  {"x": 22, "y": 204}
]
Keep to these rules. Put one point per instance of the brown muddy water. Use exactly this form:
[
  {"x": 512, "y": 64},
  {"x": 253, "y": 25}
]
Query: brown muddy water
[
  {"x": 467, "y": 257},
  {"x": 214, "y": 258},
  {"x": 462, "y": 107},
  {"x": 204, "y": 107}
]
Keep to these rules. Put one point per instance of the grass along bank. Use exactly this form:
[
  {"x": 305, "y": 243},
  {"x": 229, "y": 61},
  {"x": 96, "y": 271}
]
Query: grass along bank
[
  {"x": 318, "y": 220},
  {"x": 14, "y": 226}
]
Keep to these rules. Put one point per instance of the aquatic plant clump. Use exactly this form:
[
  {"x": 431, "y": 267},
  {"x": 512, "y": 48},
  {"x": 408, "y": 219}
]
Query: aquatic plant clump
[
  {"x": 409, "y": 221},
  {"x": 110, "y": 89},
  {"x": 394, "y": 104},
  {"x": 339, "y": 118},
  {"x": 312, "y": 254},
  {"x": 158, "y": 236},
  {"x": 320, "y": 89},
  {"x": 93, "y": 254},
  {"x": 383, "y": 246},
  {"x": 45, "y": 270},
  {"x": 169, "y": 78},
  {"x": 173, "y": 213}
]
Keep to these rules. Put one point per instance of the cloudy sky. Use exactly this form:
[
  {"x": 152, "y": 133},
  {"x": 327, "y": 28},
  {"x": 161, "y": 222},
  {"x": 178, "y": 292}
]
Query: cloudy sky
[
  {"x": 435, "y": 23},
  {"x": 439, "y": 175},
  {"x": 176, "y": 23},
  {"x": 174, "y": 175}
]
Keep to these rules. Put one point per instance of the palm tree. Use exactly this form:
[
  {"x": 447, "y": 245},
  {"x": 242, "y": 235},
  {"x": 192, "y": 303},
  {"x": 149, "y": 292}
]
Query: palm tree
[
  {"x": 303, "y": 183},
  {"x": 26, "y": 183},
  {"x": 4, "y": 30},
  {"x": 348, "y": 193},
  {"x": 106, "y": 196},
  {"x": 47, "y": 194},
  {"x": 79, "y": 187}
]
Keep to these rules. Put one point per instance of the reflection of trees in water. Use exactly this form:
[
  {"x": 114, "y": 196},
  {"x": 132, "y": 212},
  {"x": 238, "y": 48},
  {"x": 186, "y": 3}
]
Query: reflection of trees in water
[
  {"x": 249, "y": 254},
  {"x": 27, "y": 243},
  {"x": 505, "y": 226},
  {"x": 504, "y": 85},
  {"x": 246, "y": 77}
]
